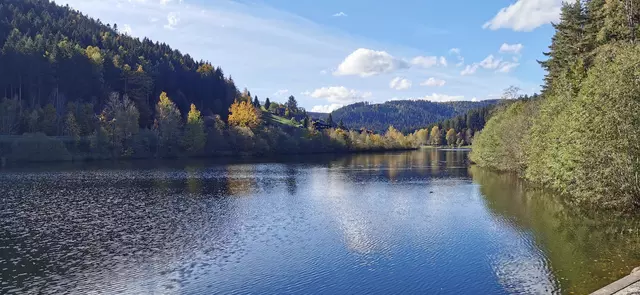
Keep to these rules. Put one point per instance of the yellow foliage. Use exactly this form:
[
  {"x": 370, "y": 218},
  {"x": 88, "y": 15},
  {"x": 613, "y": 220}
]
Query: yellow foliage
[{"x": 244, "y": 114}]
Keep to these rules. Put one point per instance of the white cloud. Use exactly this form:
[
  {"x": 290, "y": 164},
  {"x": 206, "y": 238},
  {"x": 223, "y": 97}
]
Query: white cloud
[
  {"x": 425, "y": 61},
  {"x": 507, "y": 67},
  {"x": 433, "y": 82},
  {"x": 399, "y": 83},
  {"x": 456, "y": 52},
  {"x": 526, "y": 15},
  {"x": 490, "y": 62},
  {"x": 173, "y": 19},
  {"x": 511, "y": 48},
  {"x": 339, "y": 94},
  {"x": 469, "y": 70},
  {"x": 366, "y": 62},
  {"x": 281, "y": 92},
  {"x": 126, "y": 29},
  {"x": 340, "y": 14},
  {"x": 443, "y": 61},
  {"x": 326, "y": 108}
]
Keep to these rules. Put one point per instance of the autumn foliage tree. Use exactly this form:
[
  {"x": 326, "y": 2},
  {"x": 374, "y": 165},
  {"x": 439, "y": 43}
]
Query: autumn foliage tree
[
  {"x": 168, "y": 123},
  {"x": 244, "y": 114},
  {"x": 195, "y": 137}
]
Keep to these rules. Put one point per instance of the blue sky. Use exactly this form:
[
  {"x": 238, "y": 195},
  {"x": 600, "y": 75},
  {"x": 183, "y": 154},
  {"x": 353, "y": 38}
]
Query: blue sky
[{"x": 331, "y": 53}]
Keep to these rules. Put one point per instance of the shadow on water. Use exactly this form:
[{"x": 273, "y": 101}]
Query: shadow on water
[{"x": 585, "y": 250}]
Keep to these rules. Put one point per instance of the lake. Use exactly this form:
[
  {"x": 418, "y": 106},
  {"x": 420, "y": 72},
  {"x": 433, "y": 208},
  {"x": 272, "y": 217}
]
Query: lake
[{"x": 410, "y": 222}]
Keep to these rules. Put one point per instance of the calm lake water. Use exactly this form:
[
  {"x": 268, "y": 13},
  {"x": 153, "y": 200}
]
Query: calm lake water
[{"x": 411, "y": 222}]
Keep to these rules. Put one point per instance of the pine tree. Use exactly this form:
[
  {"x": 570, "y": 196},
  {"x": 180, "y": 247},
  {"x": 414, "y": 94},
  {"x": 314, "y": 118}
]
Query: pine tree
[
  {"x": 256, "y": 102},
  {"x": 292, "y": 104},
  {"x": 569, "y": 43},
  {"x": 341, "y": 125},
  {"x": 330, "y": 120},
  {"x": 267, "y": 104}
]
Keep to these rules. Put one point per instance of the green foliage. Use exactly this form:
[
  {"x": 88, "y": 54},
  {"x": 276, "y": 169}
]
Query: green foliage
[
  {"x": 499, "y": 145},
  {"x": 168, "y": 124},
  {"x": 451, "y": 137},
  {"x": 582, "y": 137},
  {"x": 9, "y": 116},
  {"x": 194, "y": 135},
  {"x": 119, "y": 123},
  {"x": 52, "y": 54},
  {"x": 38, "y": 147}
]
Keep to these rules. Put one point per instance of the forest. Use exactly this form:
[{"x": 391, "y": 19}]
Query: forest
[
  {"x": 406, "y": 115},
  {"x": 581, "y": 137},
  {"x": 74, "y": 88}
]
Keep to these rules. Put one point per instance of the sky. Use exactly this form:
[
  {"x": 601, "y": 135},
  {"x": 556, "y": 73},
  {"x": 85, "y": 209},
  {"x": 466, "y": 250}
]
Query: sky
[{"x": 332, "y": 53}]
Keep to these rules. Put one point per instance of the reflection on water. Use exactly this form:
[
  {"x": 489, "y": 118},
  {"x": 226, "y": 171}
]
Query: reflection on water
[
  {"x": 410, "y": 222},
  {"x": 586, "y": 251}
]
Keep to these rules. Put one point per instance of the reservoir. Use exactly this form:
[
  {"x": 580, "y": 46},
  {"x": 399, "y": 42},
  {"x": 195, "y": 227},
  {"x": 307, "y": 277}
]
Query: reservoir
[{"x": 420, "y": 221}]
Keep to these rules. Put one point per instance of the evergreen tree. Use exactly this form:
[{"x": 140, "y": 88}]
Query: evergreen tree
[
  {"x": 330, "y": 120},
  {"x": 256, "y": 102},
  {"x": 267, "y": 104},
  {"x": 292, "y": 104},
  {"x": 341, "y": 125},
  {"x": 569, "y": 44}
]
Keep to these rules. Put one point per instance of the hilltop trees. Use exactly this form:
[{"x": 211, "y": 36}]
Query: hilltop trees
[{"x": 52, "y": 56}]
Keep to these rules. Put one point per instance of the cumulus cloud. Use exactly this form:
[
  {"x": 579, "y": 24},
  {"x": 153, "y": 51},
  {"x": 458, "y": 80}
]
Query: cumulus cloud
[
  {"x": 454, "y": 51},
  {"x": 339, "y": 94},
  {"x": 172, "y": 20},
  {"x": 429, "y": 61},
  {"x": 469, "y": 70},
  {"x": 526, "y": 15},
  {"x": 366, "y": 62},
  {"x": 511, "y": 48},
  {"x": 443, "y": 61},
  {"x": 326, "y": 108},
  {"x": 340, "y": 14},
  {"x": 399, "y": 83},
  {"x": 433, "y": 82},
  {"x": 506, "y": 67},
  {"x": 490, "y": 62}
]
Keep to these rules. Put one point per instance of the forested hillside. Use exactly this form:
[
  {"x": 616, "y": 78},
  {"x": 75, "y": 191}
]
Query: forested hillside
[
  {"x": 583, "y": 136},
  {"x": 52, "y": 57},
  {"x": 405, "y": 115},
  {"x": 73, "y": 88}
]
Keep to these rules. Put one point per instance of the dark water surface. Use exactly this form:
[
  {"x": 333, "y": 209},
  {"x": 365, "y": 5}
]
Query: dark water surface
[{"x": 412, "y": 222}]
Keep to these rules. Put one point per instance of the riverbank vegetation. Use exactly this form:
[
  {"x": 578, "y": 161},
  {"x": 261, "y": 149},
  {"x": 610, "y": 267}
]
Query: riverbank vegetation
[
  {"x": 582, "y": 136},
  {"x": 72, "y": 88}
]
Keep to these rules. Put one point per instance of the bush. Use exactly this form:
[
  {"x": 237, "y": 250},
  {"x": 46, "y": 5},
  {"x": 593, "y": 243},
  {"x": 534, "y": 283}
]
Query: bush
[{"x": 38, "y": 147}]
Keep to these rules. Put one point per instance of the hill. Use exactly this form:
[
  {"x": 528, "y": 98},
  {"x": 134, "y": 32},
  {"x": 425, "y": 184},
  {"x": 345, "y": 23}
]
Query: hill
[
  {"x": 405, "y": 115},
  {"x": 52, "y": 55}
]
